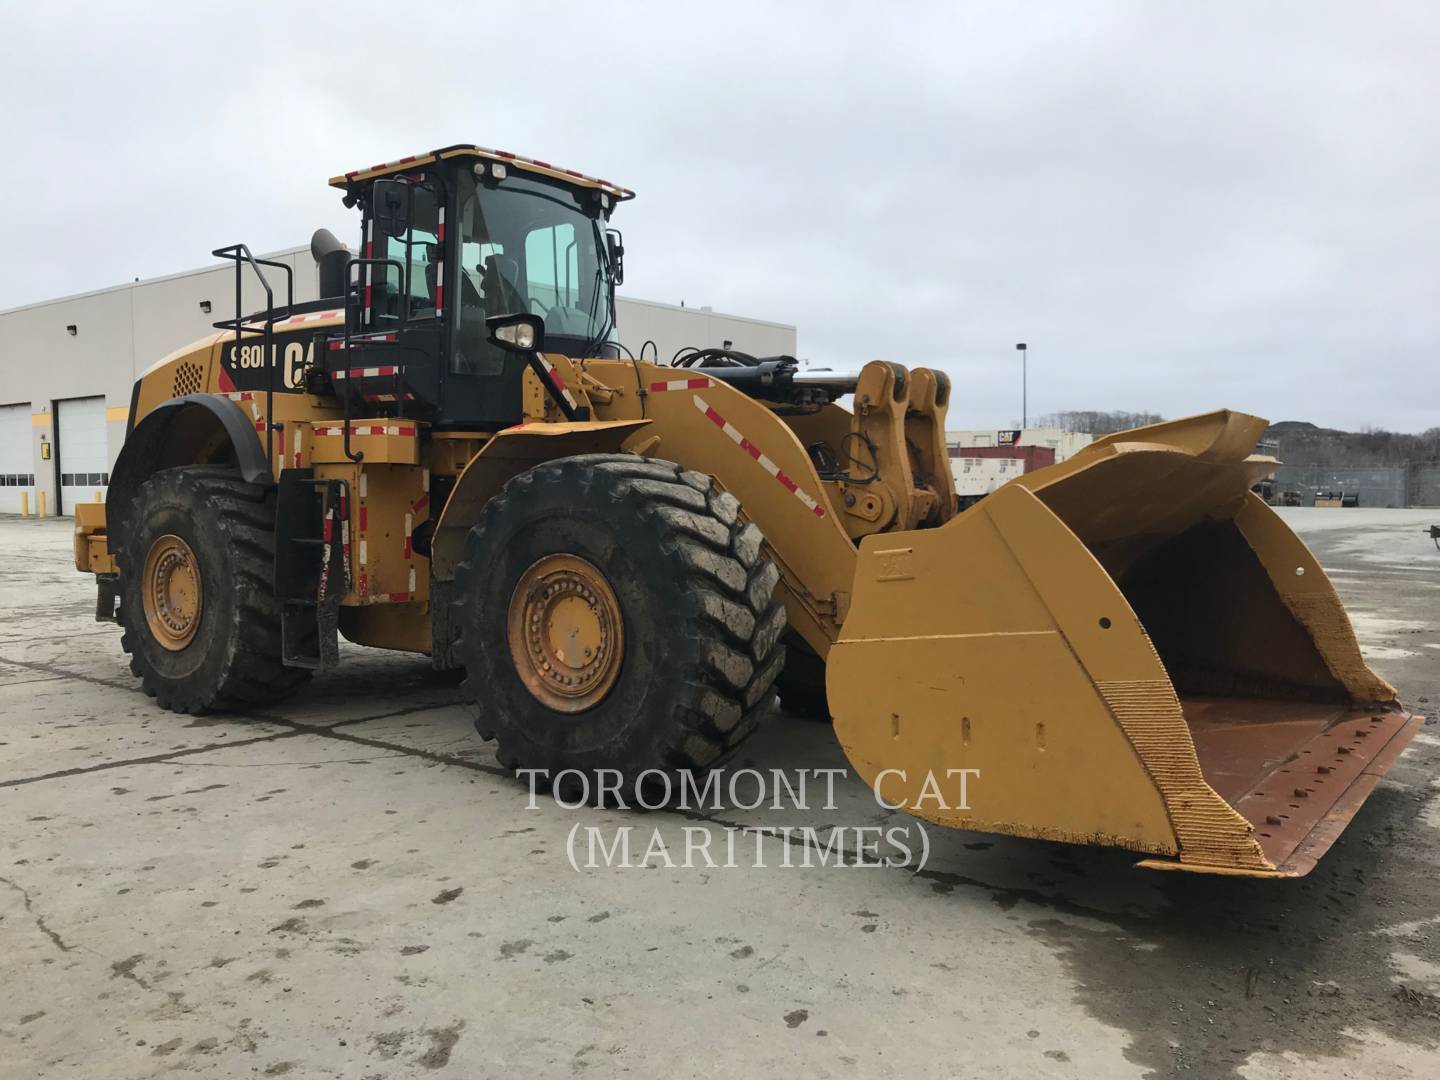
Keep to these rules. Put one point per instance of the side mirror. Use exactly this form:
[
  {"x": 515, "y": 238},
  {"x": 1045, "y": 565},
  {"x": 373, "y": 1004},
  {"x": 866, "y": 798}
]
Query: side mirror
[
  {"x": 615, "y": 244},
  {"x": 390, "y": 203},
  {"x": 520, "y": 333}
]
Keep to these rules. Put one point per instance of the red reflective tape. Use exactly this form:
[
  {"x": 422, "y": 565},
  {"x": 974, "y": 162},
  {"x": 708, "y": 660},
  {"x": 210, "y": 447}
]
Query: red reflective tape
[
  {"x": 329, "y": 529},
  {"x": 364, "y": 517},
  {"x": 439, "y": 296},
  {"x": 750, "y": 448},
  {"x": 405, "y": 431},
  {"x": 421, "y": 503},
  {"x": 785, "y": 482},
  {"x": 407, "y": 547},
  {"x": 715, "y": 418},
  {"x": 557, "y": 380}
]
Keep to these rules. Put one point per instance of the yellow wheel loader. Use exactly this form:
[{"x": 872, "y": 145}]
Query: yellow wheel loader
[{"x": 452, "y": 454}]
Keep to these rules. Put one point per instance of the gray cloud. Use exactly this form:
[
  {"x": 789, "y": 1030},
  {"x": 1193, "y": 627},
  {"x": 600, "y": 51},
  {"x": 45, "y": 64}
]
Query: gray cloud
[{"x": 1178, "y": 207}]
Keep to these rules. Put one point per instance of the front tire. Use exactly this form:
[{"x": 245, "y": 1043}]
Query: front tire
[
  {"x": 616, "y": 613},
  {"x": 198, "y": 608}
]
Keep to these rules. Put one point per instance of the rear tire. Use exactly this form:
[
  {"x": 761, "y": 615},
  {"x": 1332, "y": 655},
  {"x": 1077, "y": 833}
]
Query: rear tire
[
  {"x": 228, "y": 653},
  {"x": 698, "y": 624}
]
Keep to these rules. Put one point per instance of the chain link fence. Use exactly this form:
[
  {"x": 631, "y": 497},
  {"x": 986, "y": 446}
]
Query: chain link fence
[
  {"x": 1378, "y": 486},
  {"x": 1425, "y": 485}
]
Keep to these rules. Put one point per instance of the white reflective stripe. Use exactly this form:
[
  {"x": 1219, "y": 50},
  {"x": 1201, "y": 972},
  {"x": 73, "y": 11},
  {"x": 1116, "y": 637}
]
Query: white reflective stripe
[
  {"x": 754, "y": 453},
  {"x": 364, "y": 479},
  {"x": 313, "y": 316},
  {"x": 412, "y": 581},
  {"x": 679, "y": 384},
  {"x": 363, "y": 552},
  {"x": 559, "y": 384}
]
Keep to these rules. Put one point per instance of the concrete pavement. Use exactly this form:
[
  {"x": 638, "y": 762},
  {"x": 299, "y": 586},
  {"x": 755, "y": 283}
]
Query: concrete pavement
[{"x": 348, "y": 885}]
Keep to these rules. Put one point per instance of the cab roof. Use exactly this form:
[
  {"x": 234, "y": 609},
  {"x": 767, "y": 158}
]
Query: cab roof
[{"x": 544, "y": 168}]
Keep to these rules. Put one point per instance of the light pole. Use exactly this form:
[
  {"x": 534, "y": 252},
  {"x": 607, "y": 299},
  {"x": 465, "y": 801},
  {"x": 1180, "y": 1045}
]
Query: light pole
[{"x": 1024, "y": 385}]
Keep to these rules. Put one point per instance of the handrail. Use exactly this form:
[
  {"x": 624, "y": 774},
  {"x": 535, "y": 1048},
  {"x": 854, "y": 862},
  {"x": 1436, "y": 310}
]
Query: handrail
[{"x": 240, "y": 255}]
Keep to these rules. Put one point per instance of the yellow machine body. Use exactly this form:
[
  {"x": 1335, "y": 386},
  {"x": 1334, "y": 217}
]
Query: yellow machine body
[{"x": 1128, "y": 648}]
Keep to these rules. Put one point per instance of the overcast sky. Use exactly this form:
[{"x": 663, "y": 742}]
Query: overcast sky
[{"x": 1178, "y": 206}]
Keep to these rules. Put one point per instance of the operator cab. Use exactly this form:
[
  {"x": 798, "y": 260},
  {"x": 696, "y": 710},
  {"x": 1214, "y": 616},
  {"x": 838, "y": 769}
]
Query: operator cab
[{"x": 450, "y": 239}]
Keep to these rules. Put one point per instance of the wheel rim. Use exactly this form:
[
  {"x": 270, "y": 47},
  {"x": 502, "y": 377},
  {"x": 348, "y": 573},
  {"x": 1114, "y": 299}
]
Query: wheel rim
[
  {"x": 565, "y": 633},
  {"x": 171, "y": 592}
]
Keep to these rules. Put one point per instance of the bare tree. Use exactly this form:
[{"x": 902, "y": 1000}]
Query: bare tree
[{"x": 1098, "y": 422}]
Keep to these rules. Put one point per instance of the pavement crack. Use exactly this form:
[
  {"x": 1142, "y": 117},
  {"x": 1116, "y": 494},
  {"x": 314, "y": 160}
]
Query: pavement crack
[
  {"x": 411, "y": 751},
  {"x": 151, "y": 759},
  {"x": 62, "y": 673},
  {"x": 55, "y": 939}
]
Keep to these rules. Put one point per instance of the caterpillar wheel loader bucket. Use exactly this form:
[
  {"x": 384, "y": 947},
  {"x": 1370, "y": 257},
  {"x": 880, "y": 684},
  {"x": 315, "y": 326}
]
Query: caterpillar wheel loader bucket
[{"x": 1129, "y": 648}]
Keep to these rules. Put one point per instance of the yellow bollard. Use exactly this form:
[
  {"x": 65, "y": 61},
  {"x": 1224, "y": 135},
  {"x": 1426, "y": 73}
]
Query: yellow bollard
[
  {"x": 41, "y": 496},
  {"x": 24, "y": 504}
]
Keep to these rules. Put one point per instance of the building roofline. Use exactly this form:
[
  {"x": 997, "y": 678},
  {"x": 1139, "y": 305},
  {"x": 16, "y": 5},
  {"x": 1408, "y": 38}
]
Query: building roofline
[
  {"x": 305, "y": 250},
  {"x": 705, "y": 311},
  {"x": 148, "y": 281}
]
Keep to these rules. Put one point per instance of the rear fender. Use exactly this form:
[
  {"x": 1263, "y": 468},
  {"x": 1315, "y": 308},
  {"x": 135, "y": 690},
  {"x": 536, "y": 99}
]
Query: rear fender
[{"x": 198, "y": 429}]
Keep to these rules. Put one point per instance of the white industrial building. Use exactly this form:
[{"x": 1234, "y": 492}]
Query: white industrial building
[
  {"x": 1064, "y": 443},
  {"x": 984, "y": 460},
  {"x": 67, "y": 366}
]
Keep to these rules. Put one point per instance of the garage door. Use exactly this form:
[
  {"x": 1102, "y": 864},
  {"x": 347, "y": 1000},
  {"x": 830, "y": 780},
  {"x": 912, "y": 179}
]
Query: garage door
[
  {"x": 84, "y": 455},
  {"x": 16, "y": 458}
]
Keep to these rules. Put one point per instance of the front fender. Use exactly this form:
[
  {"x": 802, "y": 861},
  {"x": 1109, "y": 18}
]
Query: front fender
[{"x": 508, "y": 454}]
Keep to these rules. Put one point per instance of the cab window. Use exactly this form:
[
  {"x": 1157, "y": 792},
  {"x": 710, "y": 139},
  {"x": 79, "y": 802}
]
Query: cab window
[
  {"x": 418, "y": 252},
  {"x": 552, "y": 267}
]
